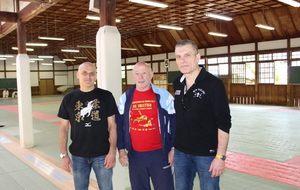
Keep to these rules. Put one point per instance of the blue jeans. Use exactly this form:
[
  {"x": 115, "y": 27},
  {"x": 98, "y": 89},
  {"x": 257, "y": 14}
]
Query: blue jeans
[
  {"x": 82, "y": 169},
  {"x": 185, "y": 168}
]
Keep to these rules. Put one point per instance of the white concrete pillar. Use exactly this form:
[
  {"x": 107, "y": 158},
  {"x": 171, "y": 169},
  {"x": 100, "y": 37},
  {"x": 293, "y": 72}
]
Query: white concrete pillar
[
  {"x": 24, "y": 101},
  {"x": 108, "y": 43}
]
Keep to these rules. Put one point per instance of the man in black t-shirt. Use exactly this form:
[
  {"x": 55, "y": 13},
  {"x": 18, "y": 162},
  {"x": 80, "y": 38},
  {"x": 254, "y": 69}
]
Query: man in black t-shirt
[{"x": 90, "y": 114}]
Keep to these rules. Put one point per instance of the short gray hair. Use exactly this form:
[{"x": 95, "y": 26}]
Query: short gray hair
[{"x": 188, "y": 42}]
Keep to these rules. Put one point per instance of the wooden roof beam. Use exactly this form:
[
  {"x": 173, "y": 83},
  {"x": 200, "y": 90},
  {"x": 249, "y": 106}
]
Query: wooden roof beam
[
  {"x": 37, "y": 1},
  {"x": 8, "y": 17}
]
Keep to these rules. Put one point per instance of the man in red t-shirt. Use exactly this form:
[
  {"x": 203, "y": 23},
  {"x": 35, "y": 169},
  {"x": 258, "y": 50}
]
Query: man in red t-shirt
[{"x": 147, "y": 120}]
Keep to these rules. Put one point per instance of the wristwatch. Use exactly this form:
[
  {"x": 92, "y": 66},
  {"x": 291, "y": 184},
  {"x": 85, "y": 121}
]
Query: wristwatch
[
  {"x": 63, "y": 155},
  {"x": 222, "y": 157}
]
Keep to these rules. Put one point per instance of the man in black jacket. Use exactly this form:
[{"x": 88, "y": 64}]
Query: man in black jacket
[{"x": 203, "y": 122}]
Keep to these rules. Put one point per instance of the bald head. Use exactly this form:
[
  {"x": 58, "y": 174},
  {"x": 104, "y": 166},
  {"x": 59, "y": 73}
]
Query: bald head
[
  {"x": 142, "y": 75},
  {"x": 87, "y": 76},
  {"x": 86, "y": 64},
  {"x": 142, "y": 64}
]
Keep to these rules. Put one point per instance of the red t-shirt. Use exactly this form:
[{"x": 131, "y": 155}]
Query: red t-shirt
[{"x": 144, "y": 127}]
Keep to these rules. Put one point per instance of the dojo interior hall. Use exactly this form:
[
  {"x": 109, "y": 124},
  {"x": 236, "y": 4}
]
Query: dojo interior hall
[{"x": 255, "y": 51}]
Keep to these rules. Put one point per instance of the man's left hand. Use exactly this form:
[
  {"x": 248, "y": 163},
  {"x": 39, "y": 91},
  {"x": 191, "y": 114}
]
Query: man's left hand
[
  {"x": 110, "y": 160},
  {"x": 217, "y": 167}
]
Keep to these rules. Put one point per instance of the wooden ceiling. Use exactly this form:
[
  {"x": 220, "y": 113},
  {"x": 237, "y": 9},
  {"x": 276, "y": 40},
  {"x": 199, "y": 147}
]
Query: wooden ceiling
[{"x": 67, "y": 18}]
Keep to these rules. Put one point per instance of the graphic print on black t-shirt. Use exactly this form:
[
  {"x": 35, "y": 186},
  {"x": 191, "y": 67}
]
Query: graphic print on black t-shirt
[{"x": 87, "y": 110}]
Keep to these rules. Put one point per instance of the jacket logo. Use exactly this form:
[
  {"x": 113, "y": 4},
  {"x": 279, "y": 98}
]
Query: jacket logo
[
  {"x": 177, "y": 92},
  {"x": 198, "y": 93}
]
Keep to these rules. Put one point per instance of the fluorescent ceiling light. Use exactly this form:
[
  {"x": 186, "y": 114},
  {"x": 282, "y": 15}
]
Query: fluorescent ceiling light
[
  {"x": 59, "y": 62},
  {"x": 93, "y": 17},
  {"x": 46, "y": 63},
  {"x": 265, "y": 27},
  {"x": 50, "y": 38},
  {"x": 217, "y": 34},
  {"x": 80, "y": 57},
  {"x": 151, "y": 3},
  {"x": 36, "y": 44},
  {"x": 2, "y": 58},
  {"x": 6, "y": 56},
  {"x": 221, "y": 17},
  {"x": 132, "y": 49},
  {"x": 291, "y": 2},
  {"x": 31, "y": 61},
  {"x": 70, "y": 50},
  {"x": 27, "y": 49},
  {"x": 69, "y": 59},
  {"x": 45, "y": 56},
  {"x": 36, "y": 59},
  {"x": 152, "y": 45},
  {"x": 84, "y": 46},
  {"x": 170, "y": 27}
]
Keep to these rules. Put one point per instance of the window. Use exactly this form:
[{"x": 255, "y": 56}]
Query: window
[
  {"x": 213, "y": 69},
  {"x": 250, "y": 73},
  {"x": 295, "y": 58},
  {"x": 123, "y": 74},
  {"x": 129, "y": 67},
  {"x": 281, "y": 72},
  {"x": 242, "y": 69},
  {"x": 296, "y": 55},
  {"x": 238, "y": 73},
  {"x": 265, "y": 57},
  {"x": 218, "y": 66},
  {"x": 266, "y": 72},
  {"x": 201, "y": 62},
  {"x": 295, "y": 63},
  {"x": 279, "y": 56},
  {"x": 245, "y": 58},
  {"x": 274, "y": 70}
]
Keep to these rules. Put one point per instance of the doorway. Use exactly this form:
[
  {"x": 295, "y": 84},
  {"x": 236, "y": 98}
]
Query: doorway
[{"x": 46, "y": 86}]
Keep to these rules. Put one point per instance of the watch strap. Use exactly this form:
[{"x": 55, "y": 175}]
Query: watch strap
[
  {"x": 222, "y": 157},
  {"x": 62, "y": 155}
]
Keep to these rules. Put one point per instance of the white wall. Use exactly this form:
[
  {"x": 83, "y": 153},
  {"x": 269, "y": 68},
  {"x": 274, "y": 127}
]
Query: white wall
[{"x": 39, "y": 71}]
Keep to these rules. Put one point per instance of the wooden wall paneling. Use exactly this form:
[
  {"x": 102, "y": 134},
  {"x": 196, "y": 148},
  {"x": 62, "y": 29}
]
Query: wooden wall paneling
[
  {"x": 272, "y": 94},
  {"x": 295, "y": 91},
  {"x": 282, "y": 95}
]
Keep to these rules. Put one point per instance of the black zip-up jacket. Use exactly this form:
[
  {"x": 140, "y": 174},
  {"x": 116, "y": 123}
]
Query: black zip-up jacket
[{"x": 200, "y": 113}]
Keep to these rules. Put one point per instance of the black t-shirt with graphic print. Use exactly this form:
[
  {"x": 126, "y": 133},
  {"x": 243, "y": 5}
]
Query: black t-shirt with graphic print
[{"x": 88, "y": 113}]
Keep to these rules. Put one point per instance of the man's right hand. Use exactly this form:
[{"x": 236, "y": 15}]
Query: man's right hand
[{"x": 66, "y": 163}]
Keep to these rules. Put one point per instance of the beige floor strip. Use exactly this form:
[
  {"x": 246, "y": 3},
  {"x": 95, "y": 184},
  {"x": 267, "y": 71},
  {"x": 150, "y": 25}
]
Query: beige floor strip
[{"x": 43, "y": 164}]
